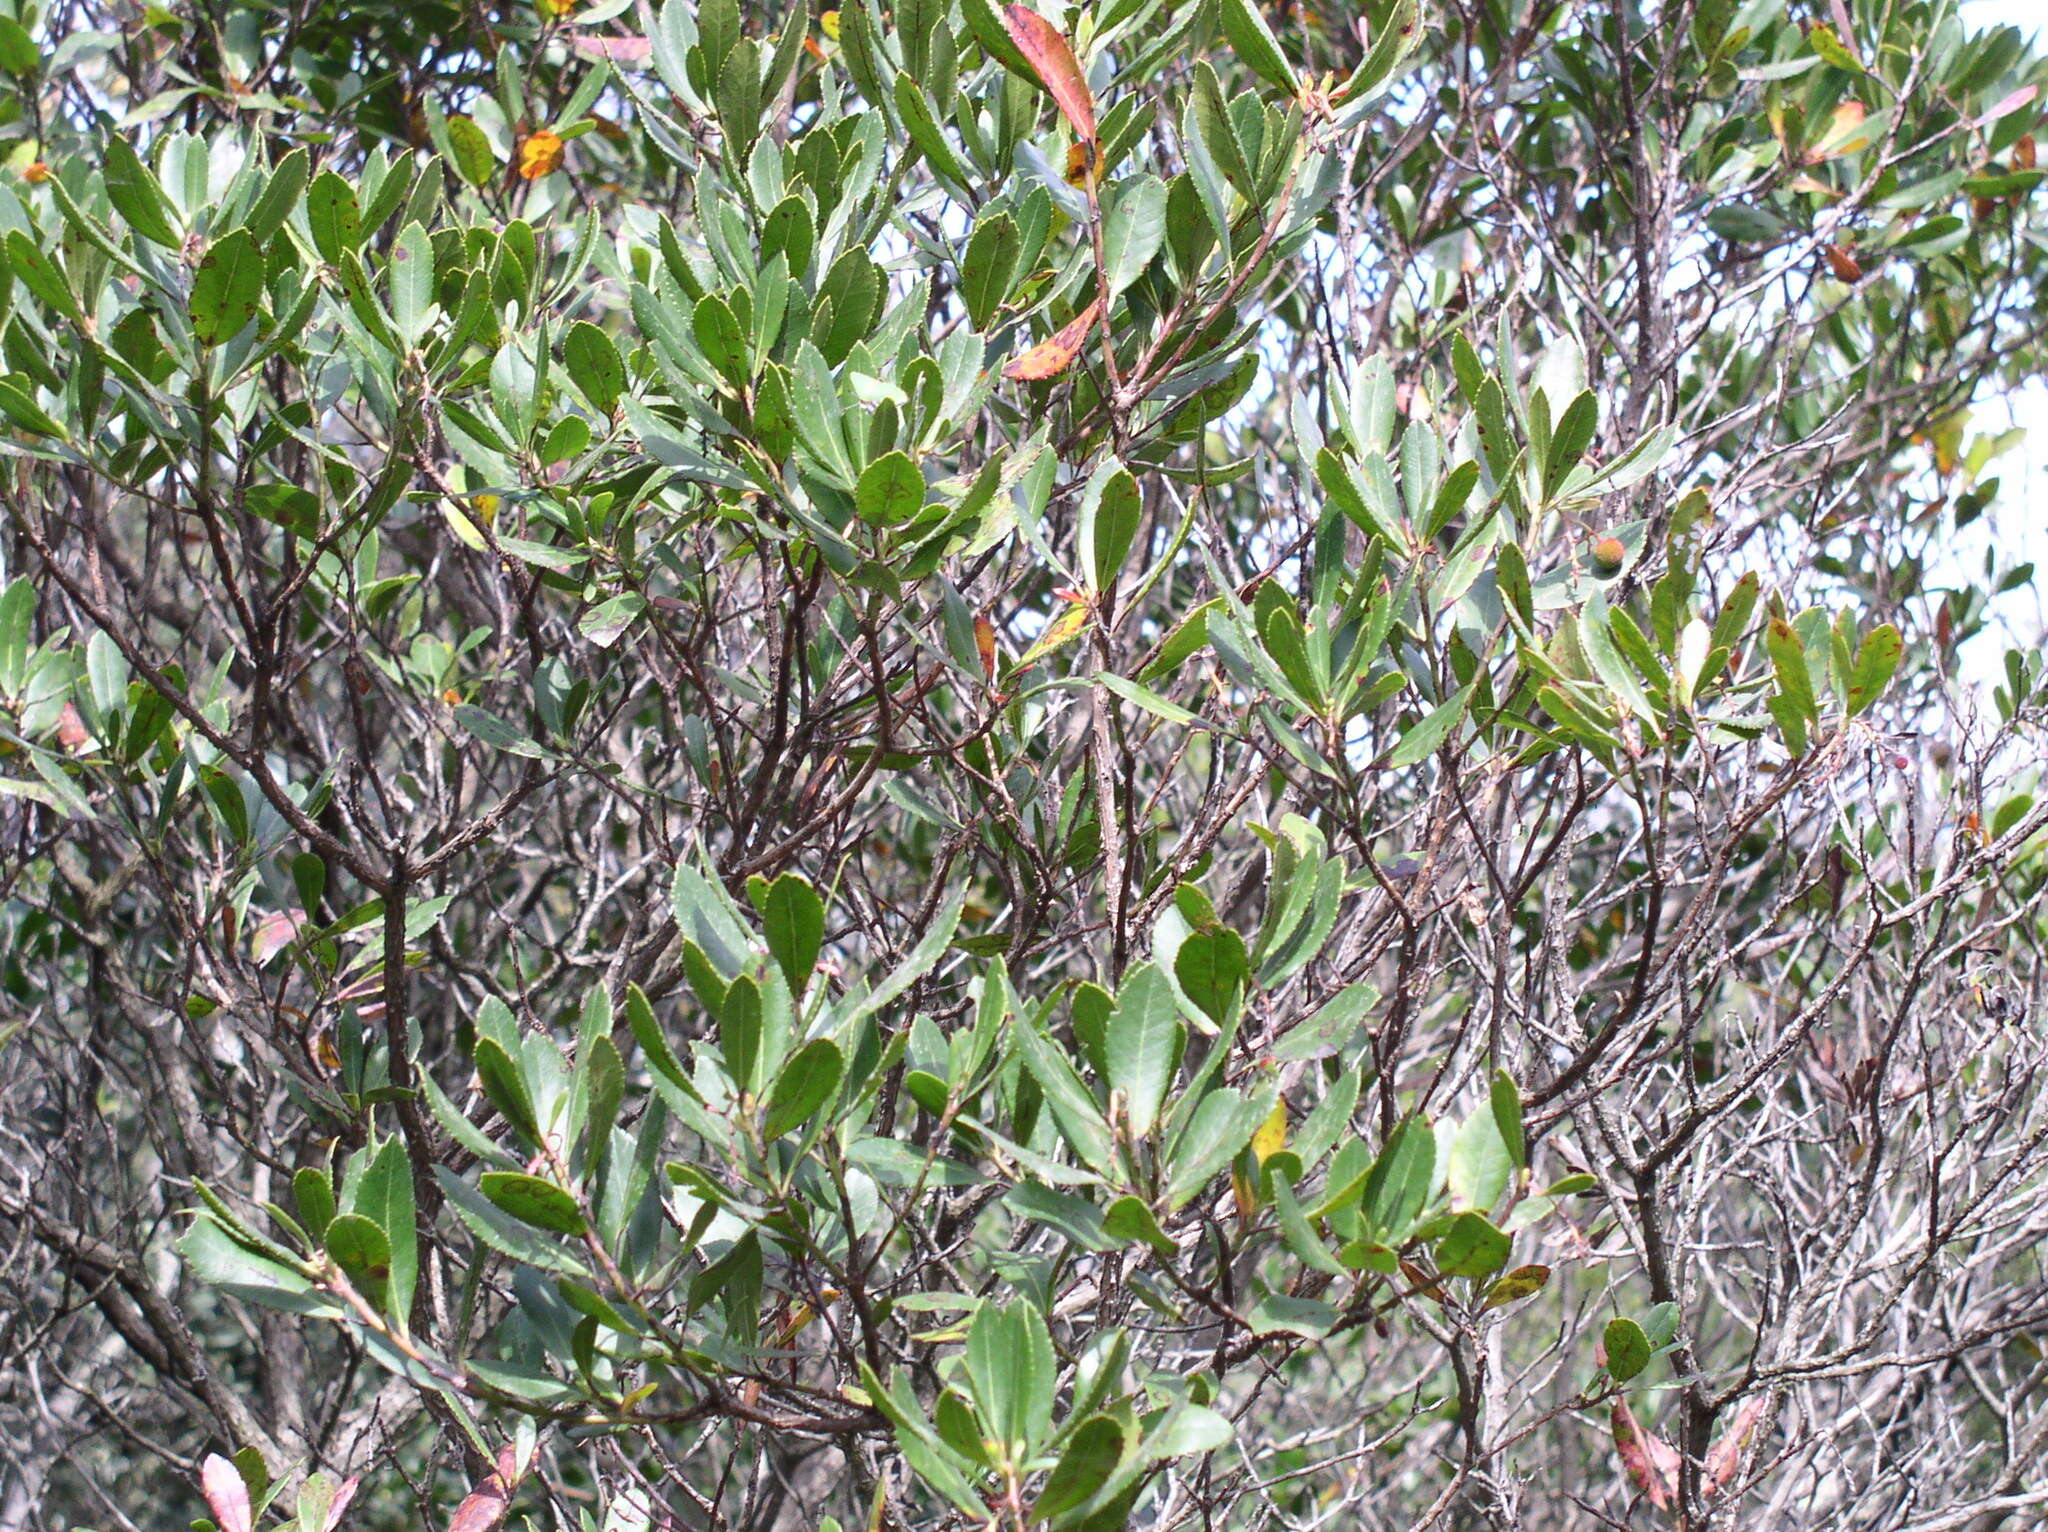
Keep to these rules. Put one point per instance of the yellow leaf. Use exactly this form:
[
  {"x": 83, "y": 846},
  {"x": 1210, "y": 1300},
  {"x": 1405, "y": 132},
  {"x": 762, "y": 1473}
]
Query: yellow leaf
[
  {"x": 1084, "y": 163},
  {"x": 1061, "y": 631},
  {"x": 1272, "y": 1135},
  {"x": 539, "y": 153},
  {"x": 1054, "y": 355},
  {"x": 828, "y": 23}
]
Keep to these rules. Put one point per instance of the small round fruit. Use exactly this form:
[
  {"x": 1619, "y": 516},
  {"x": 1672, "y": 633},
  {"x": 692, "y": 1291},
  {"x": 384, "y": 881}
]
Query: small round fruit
[{"x": 1608, "y": 557}]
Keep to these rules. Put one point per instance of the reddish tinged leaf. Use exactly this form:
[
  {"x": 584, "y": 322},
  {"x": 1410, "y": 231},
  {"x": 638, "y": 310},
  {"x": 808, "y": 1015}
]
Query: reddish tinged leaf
[
  {"x": 1652, "y": 1462},
  {"x": 273, "y": 933},
  {"x": 1054, "y": 355},
  {"x": 226, "y": 1495},
  {"x": 483, "y": 1508},
  {"x": 2009, "y": 105},
  {"x": 619, "y": 50},
  {"x": 2023, "y": 152},
  {"x": 1725, "y": 1456},
  {"x": 1052, "y": 59},
  {"x": 71, "y": 731},
  {"x": 1843, "y": 264}
]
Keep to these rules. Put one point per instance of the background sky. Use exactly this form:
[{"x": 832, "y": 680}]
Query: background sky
[{"x": 2019, "y": 521}]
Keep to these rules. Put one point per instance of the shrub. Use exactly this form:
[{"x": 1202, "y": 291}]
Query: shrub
[{"x": 944, "y": 766}]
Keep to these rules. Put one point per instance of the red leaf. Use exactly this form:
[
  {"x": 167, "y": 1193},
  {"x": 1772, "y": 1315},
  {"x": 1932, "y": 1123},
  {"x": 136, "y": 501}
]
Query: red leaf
[
  {"x": 339, "y": 1503},
  {"x": 1050, "y": 56},
  {"x": 1725, "y": 1456},
  {"x": 226, "y": 1495},
  {"x": 1652, "y": 1463},
  {"x": 1053, "y": 356}
]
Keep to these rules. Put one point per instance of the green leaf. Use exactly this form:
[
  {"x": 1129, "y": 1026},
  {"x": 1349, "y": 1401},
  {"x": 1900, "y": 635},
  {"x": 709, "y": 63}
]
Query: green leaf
[
  {"x": 1479, "y": 1165},
  {"x": 16, "y": 404},
  {"x": 1255, "y": 44},
  {"x": 1795, "y": 709},
  {"x": 718, "y": 334},
  {"x": 807, "y": 1080},
  {"x": 281, "y": 193},
  {"x": 1627, "y": 1348},
  {"x": 1742, "y": 225},
  {"x": 508, "y": 1236},
  {"x": 1111, "y": 513},
  {"x": 1212, "y": 967},
  {"x": 988, "y": 267},
  {"x": 1279, "y": 1314},
  {"x": 227, "y": 289},
  {"x": 240, "y": 1272},
  {"x": 1401, "y": 1178},
  {"x": 361, "y": 1249},
  {"x": 920, "y": 962},
  {"x": 1299, "y": 1234},
  {"x": 793, "y": 918},
  {"x": 1330, "y": 1028},
  {"x": 411, "y": 275},
  {"x": 1132, "y": 230},
  {"x": 532, "y": 1200},
  {"x": 313, "y": 1192},
  {"x": 1877, "y": 657},
  {"x": 1569, "y": 440},
  {"x": 40, "y": 274},
  {"x": 385, "y": 1197},
  {"x": 594, "y": 365},
  {"x": 334, "y": 216},
  {"x": 1080, "y": 1119},
  {"x": 1427, "y": 735},
  {"x": 1011, "y": 1371},
  {"x": 133, "y": 189},
  {"x": 607, "y": 622},
  {"x": 18, "y": 52},
  {"x": 475, "y": 160},
  {"x": 1091, "y": 1456},
  {"x": 1217, "y": 1131},
  {"x": 1143, "y": 1045},
  {"x": 1505, "y": 1098},
  {"x": 1147, "y": 699},
  {"x": 891, "y": 491},
  {"x": 1472, "y": 1248}
]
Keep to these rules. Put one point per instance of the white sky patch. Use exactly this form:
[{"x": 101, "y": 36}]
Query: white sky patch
[{"x": 2017, "y": 525}]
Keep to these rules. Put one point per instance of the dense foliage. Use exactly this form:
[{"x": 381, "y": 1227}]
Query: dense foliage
[{"x": 1147, "y": 764}]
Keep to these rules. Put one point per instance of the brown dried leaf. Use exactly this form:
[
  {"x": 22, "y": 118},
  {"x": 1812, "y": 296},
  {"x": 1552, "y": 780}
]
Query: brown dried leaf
[
  {"x": 1054, "y": 355},
  {"x": 1051, "y": 57},
  {"x": 1843, "y": 264}
]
